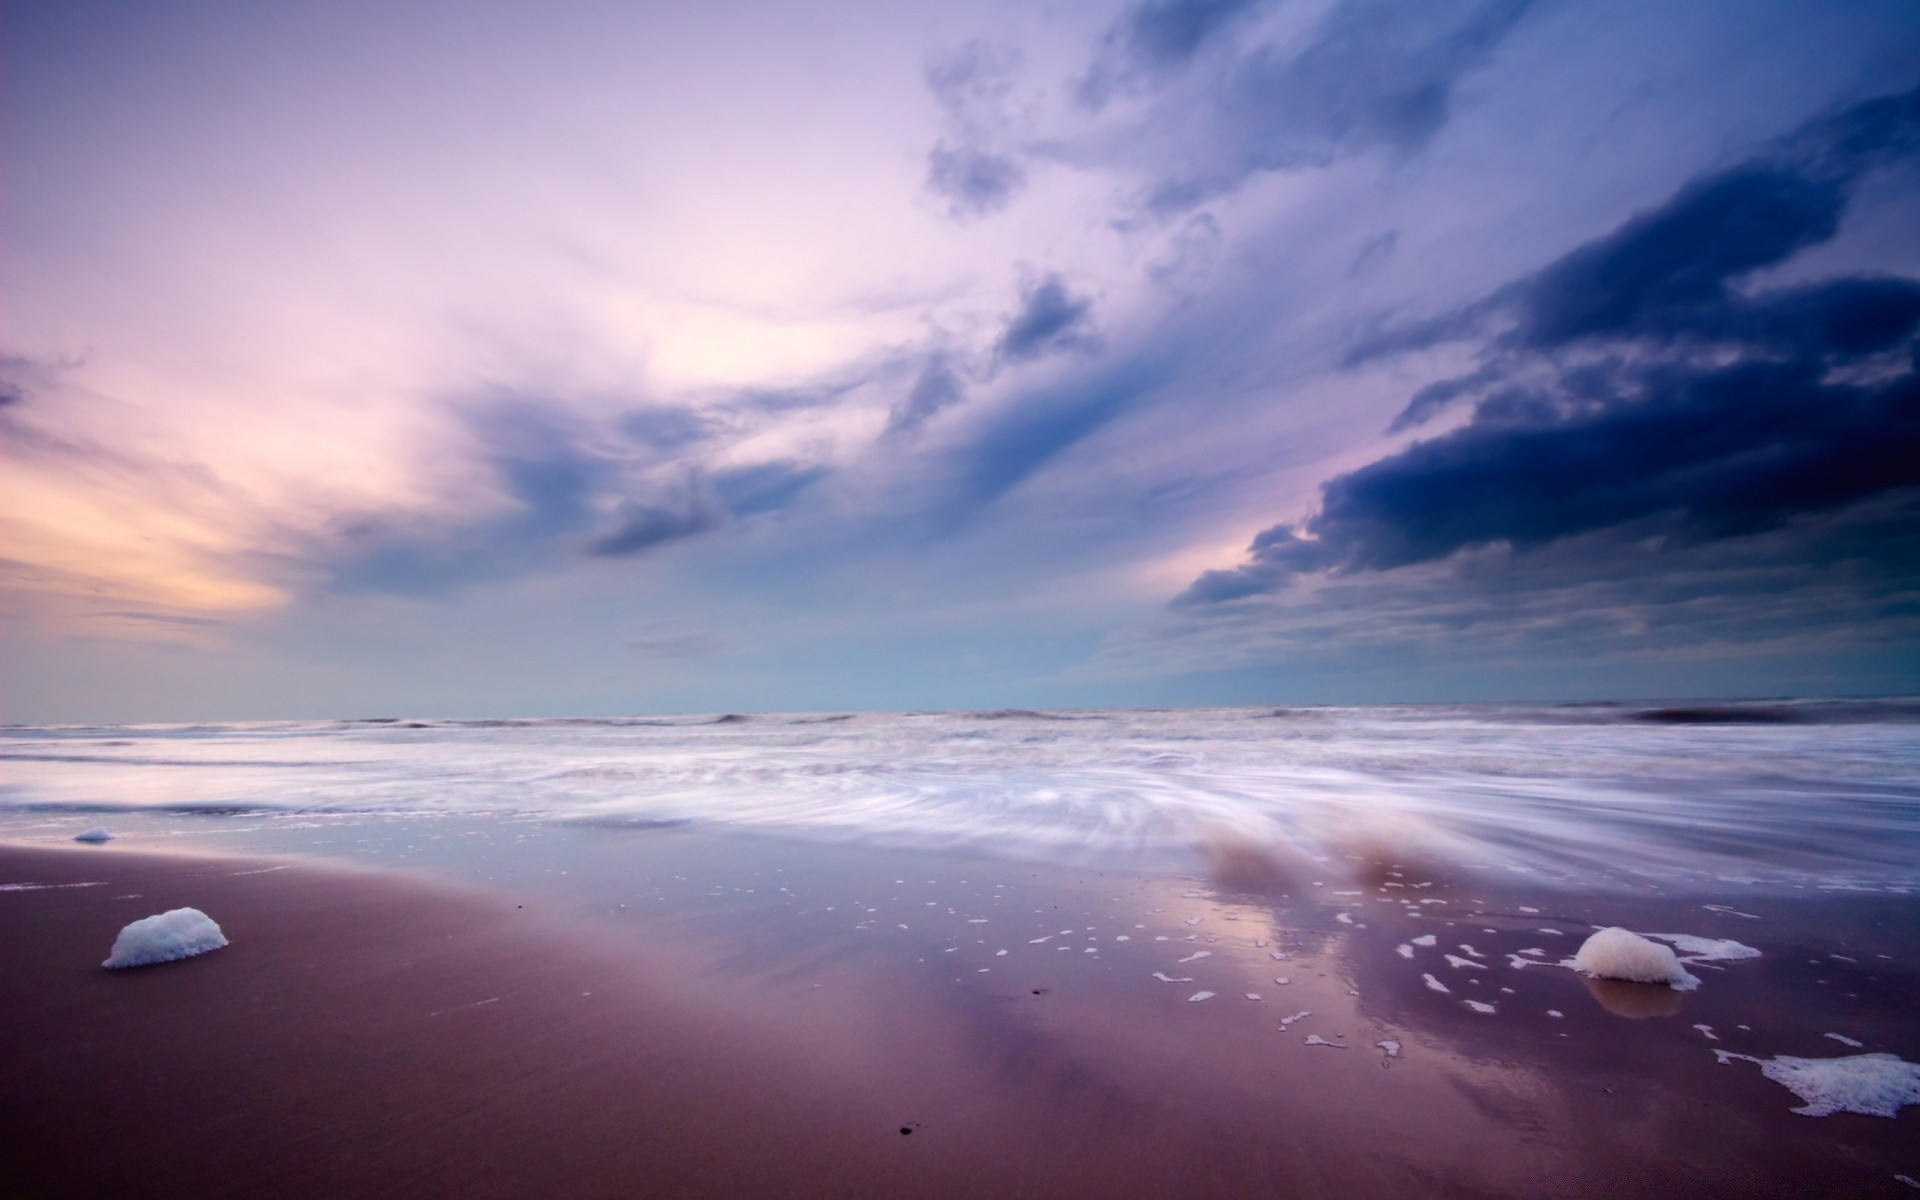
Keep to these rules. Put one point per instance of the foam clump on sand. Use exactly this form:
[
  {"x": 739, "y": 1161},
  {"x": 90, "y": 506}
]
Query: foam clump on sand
[
  {"x": 1874, "y": 1085},
  {"x": 181, "y": 933},
  {"x": 1615, "y": 953},
  {"x": 99, "y": 833}
]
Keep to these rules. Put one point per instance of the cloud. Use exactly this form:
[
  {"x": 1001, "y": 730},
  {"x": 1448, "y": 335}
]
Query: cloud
[
  {"x": 1373, "y": 75},
  {"x": 1155, "y": 38},
  {"x": 666, "y": 428},
  {"x": 766, "y": 487},
  {"x": 1636, "y": 385},
  {"x": 1050, "y": 319},
  {"x": 678, "y": 511},
  {"x": 936, "y": 387},
  {"x": 975, "y": 181},
  {"x": 970, "y": 168},
  {"x": 560, "y": 486}
]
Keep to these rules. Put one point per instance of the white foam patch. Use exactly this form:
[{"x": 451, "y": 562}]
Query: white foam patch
[
  {"x": 1282, "y": 980},
  {"x": 1844, "y": 1040},
  {"x": 1198, "y": 996},
  {"x": 47, "y": 887},
  {"x": 99, "y": 833},
  {"x": 1344, "y": 918},
  {"x": 1708, "y": 1033},
  {"x": 1301, "y": 1015},
  {"x": 1873, "y": 1085},
  {"x": 1699, "y": 949},
  {"x": 1456, "y": 962},
  {"x": 1390, "y": 1046},
  {"x": 1314, "y": 1039},
  {"x": 181, "y": 933},
  {"x": 1253, "y": 995},
  {"x": 1616, "y": 953},
  {"x": 1480, "y": 1006},
  {"x": 1425, "y": 939},
  {"x": 1197, "y": 954},
  {"x": 1436, "y": 985},
  {"x": 1403, "y": 950},
  {"x": 1164, "y": 978}
]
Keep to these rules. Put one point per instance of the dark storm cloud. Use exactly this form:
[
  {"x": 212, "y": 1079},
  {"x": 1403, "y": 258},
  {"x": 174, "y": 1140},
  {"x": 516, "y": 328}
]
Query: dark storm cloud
[
  {"x": 1050, "y": 318},
  {"x": 1636, "y": 384}
]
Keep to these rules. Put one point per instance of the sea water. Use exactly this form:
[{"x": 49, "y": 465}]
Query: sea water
[{"x": 1796, "y": 795}]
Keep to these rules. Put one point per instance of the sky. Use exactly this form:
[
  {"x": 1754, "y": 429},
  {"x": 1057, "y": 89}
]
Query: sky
[{"x": 580, "y": 358}]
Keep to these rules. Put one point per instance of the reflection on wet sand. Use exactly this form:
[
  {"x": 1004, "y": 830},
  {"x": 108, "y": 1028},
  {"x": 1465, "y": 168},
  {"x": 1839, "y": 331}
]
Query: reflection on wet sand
[
  {"x": 1635, "y": 1001},
  {"x": 1033, "y": 1029}
]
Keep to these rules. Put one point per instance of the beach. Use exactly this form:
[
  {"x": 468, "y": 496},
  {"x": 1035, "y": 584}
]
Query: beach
[{"x": 677, "y": 1013}]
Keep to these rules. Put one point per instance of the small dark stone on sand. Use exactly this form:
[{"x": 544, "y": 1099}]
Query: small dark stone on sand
[{"x": 905, "y": 1130}]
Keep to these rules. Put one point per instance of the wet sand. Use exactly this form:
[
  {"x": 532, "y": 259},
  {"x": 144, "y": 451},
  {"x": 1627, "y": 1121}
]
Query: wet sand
[{"x": 374, "y": 1034}]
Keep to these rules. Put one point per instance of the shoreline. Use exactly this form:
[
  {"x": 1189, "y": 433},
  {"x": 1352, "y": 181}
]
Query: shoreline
[{"x": 372, "y": 1033}]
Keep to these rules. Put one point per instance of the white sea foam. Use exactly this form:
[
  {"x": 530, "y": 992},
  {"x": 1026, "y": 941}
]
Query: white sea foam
[
  {"x": 1874, "y": 1085},
  {"x": 98, "y": 833},
  {"x": 179, "y": 933},
  {"x": 1199, "y": 996},
  {"x": 1844, "y": 1040},
  {"x": 42, "y": 887},
  {"x": 1314, "y": 1039},
  {"x": 1480, "y": 1006},
  {"x": 1435, "y": 985},
  {"x": 1699, "y": 949},
  {"x": 1425, "y": 939},
  {"x": 1616, "y": 953},
  {"x": 1586, "y": 794},
  {"x": 1390, "y": 1046}
]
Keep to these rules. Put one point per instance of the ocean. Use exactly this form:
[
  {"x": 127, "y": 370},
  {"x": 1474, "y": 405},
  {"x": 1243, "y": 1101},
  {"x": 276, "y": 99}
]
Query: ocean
[{"x": 1805, "y": 794}]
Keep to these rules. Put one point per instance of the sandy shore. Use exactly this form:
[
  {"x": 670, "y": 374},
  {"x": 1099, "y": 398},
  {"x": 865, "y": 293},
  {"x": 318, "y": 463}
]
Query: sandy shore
[{"x": 375, "y": 1035}]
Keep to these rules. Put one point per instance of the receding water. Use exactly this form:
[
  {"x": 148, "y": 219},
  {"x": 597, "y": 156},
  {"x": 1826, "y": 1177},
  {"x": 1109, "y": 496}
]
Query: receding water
[{"x": 1789, "y": 794}]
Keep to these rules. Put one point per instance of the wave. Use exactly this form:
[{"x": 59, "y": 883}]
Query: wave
[{"x": 1586, "y": 793}]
